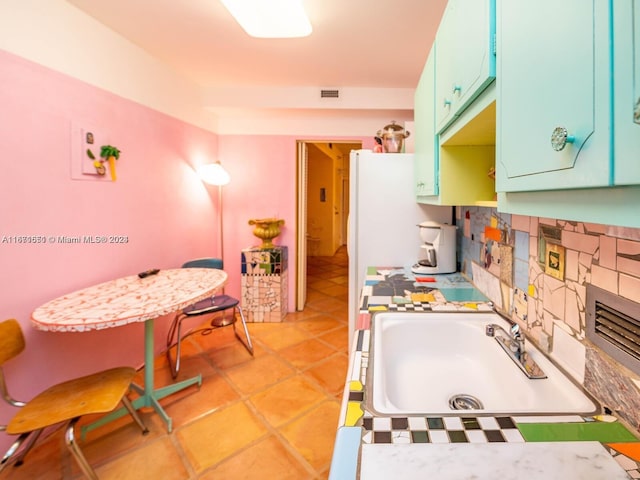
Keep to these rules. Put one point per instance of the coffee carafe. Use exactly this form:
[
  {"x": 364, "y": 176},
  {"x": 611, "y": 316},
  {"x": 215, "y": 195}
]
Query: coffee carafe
[{"x": 438, "y": 249}]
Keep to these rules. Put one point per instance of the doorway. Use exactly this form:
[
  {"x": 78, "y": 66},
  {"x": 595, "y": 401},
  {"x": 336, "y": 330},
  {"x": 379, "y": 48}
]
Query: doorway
[{"x": 322, "y": 203}]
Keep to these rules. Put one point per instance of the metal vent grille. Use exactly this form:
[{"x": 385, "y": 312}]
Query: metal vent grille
[
  {"x": 613, "y": 324},
  {"x": 329, "y": 93},
  {"x": 618, "y": 329}
]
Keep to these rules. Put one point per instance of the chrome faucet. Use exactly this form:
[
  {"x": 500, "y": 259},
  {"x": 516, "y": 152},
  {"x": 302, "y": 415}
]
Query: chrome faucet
[
  {"x": 512, "y": 342},
  {"x": 517, "y": 341}
]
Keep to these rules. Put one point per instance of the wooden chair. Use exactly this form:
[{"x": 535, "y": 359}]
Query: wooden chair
[
  {"x": 215, "y": 304},
  {"x": 65, "y": 402}
]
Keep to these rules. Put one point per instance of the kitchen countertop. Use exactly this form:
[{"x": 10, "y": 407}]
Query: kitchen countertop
[{"x": 371, "y": 446}]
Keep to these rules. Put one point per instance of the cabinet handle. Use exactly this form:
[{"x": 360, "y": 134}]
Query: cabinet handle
[
  {"x": 457, "y": 89},
  {"x": 447, "y": 103},
  {"x": 560, "y": 137},
  {"x": 636, "y": 112}
]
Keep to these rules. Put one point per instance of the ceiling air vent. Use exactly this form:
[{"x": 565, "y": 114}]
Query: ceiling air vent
[
  {"x": 329, "y": 93},
  {"x": 613, "y": 324}
]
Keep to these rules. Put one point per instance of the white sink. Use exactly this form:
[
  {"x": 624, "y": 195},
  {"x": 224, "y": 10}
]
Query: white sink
[{"x": 419, "y": 361}]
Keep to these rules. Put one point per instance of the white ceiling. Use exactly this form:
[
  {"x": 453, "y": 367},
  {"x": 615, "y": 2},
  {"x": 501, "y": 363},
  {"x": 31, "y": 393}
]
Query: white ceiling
[{"x": 360, "y": 45}]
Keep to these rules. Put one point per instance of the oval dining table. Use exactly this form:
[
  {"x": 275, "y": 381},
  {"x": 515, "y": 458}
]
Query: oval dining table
[{"x": 128, "y": 300}]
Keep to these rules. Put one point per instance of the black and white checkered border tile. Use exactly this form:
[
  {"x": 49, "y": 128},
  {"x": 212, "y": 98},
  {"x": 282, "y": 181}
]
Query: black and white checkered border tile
[
  {"x": 409, "y": 307},
  {"x": 439, "y": 429}
]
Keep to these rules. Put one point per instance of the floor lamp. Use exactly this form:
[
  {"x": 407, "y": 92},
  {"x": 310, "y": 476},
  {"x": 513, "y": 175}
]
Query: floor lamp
[{"x": 215, "y": 174}]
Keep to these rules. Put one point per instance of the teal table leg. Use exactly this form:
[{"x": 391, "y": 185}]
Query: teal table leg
[{"x": 148, "y": 395}]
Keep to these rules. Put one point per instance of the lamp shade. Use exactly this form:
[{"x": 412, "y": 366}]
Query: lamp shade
[
  {"x": 214, "y": 174},
  {"x": 270, "y": 19}
]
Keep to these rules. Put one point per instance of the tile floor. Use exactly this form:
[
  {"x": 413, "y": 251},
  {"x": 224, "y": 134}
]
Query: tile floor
[{"x": 273, "y": 416}]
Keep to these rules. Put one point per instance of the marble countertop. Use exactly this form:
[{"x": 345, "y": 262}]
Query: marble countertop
[{"x": 504, "y": 461}]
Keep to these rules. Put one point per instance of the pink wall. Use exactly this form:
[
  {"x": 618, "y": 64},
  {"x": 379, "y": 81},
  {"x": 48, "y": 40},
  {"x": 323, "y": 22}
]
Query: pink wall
[{"x": 158, "y": 202}]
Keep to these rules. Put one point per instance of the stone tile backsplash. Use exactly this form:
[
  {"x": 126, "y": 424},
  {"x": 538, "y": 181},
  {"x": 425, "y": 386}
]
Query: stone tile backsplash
[{"x": 537, "y": 273}]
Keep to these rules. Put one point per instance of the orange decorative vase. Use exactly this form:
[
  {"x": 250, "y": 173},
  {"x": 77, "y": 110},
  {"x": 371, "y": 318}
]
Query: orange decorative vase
[{"x": 267, "y": 229}]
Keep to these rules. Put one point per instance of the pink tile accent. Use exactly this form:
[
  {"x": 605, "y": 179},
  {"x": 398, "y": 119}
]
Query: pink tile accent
[
  {"x": 363, "y": 322},
  {"x": 520, "y": 222},
  {"x": 628, "y": 247},
  {"x": 572, "y": 313},
  {"x": 533, "y": 246},
  {"x": 554, "y": 296},
  {"x": 580, "y": 242},
  {"x": 627, "y": 265},
  {"x": 624, "y": 232},
  {"x": 584, "y": 267},
  {"x": 567, "y": 226},
  {"x": 533, "y": 226},
  {"x": 571, "y": 265},
  {"x": 630, "y": 287},
  {"x": 595, "y": 228},
  {"x": 547, "y": 322},
  {"x": 607, "y": 252},
  {"x": 604, "y": 278},
  {"x": 531, "y": 311}
]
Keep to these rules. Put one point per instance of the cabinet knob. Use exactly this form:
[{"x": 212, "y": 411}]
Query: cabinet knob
[
  {"x": 447, "y": 103},
  {"x": 457, "y": 89},
  {"x": 560, "y": 137},
  {"x": 636, "y": 112}
]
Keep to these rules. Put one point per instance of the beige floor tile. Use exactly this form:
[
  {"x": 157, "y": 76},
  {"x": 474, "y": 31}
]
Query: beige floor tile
[
  {"x": 286, "y": 400},
  {"x": 158, "y": 459},
  {"x": 306, "y": 314},
  {"x": 253, "y": 376},
  {"x": 214, "y": 393},
  {"x": 218, "y": 435},
  {"x": 330, "y": 305},
  {"x": 335, "y": 290},
  {"x": 288, "y": 334},
  {"x": 318, "y": 325},
  {"x": 232, "y": 355},
  {"x": 306, "y": 353},
  {"x": 48, "y": 460},
  {"x": 314, "y": 433},
  {"x": 331, "y": 373},
  {"x": 267, "y": 460},
  {"x": 338, "y": 338}
]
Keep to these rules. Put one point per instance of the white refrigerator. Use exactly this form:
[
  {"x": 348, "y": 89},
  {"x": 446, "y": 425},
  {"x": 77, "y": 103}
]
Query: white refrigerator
[{"x": 383, "y": 218}]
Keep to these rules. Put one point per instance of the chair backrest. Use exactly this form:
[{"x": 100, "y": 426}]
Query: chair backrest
[
  {"x": 11, "y": 340},
  {"x": 204, "y": 263}
]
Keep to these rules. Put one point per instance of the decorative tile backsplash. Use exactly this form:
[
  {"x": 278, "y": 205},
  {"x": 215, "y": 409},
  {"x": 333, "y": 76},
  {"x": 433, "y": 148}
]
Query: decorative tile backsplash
[{"x": 536, "y": 270}]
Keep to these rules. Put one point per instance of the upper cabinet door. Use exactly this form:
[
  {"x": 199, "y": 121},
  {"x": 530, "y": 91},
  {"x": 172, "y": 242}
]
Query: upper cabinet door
[
  {"x": 425, "y": 156},
  {"x": 626, "y": 77},
  {"x": 465, "y": 62},
  {"x": 553, "y": 69}
]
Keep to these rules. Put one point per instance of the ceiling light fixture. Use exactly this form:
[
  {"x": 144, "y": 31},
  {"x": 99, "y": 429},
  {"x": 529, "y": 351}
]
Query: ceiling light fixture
[{"x": 270, "y": 19}]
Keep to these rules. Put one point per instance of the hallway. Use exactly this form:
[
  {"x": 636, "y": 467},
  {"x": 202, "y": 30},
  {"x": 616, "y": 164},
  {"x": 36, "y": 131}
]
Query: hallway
[{"x": 273, "y": 416}]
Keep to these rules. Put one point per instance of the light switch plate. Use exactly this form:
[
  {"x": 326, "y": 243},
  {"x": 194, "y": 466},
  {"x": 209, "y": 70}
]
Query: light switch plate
[{"x": 86, "y": 137}]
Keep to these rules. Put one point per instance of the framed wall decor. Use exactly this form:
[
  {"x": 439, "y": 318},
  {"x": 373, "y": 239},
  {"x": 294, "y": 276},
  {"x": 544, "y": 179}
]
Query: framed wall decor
[{"x": 554, "y": 261}]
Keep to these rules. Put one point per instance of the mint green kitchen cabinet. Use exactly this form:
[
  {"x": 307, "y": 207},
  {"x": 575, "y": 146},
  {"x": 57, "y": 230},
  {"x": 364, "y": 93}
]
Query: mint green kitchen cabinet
[
  {"x": 465, "y": 60},
  {"x": 626, "y": 91},
  {"x": 553, "y": 95},
  {"x": 425, "y": 152},
  {"x": 574, "y": 65}
]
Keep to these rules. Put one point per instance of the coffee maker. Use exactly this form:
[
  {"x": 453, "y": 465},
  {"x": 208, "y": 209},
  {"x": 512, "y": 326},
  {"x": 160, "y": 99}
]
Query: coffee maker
[{"x": 438, "y": 250}]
